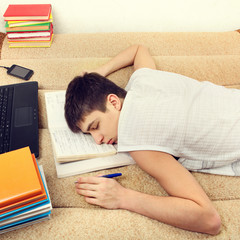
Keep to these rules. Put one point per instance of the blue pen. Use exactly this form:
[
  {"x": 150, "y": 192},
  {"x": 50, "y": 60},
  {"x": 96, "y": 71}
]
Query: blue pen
[
  {"x": 109, "y": 176},
  {"x": 112, "y": 175}
]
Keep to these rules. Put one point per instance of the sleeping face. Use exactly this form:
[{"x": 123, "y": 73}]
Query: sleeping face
[{"x": 103, "y": 126}]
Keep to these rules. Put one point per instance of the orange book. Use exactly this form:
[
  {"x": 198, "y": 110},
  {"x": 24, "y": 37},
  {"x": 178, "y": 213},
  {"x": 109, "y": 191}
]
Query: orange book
[
  {"x": 26, "y": 202},
  {"x": 19, "y": 179},
  {"x": 17, "y": 12},
  {"x": 31, "y": 200}
]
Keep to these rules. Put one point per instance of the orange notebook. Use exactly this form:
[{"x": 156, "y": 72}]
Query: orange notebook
[
  {"x": 18, "y": 177},
  {"x": 27, "y": 12},
  {"x": 26, "y": 202}
]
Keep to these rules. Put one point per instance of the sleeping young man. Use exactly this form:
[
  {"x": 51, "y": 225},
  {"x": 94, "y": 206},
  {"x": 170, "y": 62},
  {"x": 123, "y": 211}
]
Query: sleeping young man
[{"x": 158, "y": 118}]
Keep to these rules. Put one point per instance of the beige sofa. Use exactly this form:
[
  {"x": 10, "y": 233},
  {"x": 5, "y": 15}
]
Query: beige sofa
[{"x": 204, "y": 56}]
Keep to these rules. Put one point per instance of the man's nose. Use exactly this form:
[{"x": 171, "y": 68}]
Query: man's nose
[{"x": 97, "y": 137}]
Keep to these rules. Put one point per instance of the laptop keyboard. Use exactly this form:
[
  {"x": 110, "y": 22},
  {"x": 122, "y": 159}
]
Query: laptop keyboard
[{"x": 6, "y": 99}]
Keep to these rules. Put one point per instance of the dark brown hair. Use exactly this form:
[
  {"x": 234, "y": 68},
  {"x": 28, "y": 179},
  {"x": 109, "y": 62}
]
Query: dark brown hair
[{"x": 86, "y": 94}]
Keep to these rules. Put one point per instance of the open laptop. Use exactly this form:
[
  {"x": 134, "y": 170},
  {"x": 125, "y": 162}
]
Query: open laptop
[{"x": 19, "y": 117}]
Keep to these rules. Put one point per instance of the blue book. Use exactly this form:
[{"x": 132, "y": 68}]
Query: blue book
[{"x": 31, "y": 213}]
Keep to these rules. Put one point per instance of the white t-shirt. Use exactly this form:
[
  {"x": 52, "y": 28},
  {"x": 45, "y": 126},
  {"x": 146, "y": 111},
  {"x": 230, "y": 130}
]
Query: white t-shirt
[{"x": 199, "y": 122}]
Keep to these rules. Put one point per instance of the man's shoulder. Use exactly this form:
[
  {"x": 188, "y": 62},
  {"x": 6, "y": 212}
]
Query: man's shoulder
[{"x": 140, "y": 76}]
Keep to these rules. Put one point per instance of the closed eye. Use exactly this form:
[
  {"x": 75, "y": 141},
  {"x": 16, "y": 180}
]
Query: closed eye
[{"x": 95, "y": 127}]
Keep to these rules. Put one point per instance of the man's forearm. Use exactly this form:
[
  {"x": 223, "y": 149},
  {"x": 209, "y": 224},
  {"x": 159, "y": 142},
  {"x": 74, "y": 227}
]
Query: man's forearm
[
  {"x": 178, "y": 212},
  {"x": 123, "y": 59}
]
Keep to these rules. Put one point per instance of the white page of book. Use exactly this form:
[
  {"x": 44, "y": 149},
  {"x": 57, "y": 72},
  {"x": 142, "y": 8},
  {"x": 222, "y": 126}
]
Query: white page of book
[
  {"x": 93, "y": 164},
  {"x": 25, "y": 224},
  {"x": 69, "y": 144},
  {"x": 32, "y": 34},
  {"x": 55, "y": 109}
]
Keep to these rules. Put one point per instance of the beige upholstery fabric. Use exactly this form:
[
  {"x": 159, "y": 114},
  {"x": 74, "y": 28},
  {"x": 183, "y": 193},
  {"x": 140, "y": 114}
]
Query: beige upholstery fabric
[{"x": 205, "y": 56}]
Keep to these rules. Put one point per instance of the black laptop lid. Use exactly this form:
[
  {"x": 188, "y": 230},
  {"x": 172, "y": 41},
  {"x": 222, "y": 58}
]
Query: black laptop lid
[{"x": 24, "y": 116}]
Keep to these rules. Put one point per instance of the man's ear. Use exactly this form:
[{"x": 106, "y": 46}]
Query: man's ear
[{"x": 115, "y": 101}]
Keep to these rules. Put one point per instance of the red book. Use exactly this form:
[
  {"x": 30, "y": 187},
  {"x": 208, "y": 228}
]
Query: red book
[
  {"x": 29, "y": 34},
  {"x": 39, "y": 36},
  {"x": 17, "y": 12},
  {"x": 31, "y": 39}
]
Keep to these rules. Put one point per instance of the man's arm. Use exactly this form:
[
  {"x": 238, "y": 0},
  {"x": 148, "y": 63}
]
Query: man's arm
[
  {"x": 136, "y": 55},
  {"x": 187, "y": 205}
]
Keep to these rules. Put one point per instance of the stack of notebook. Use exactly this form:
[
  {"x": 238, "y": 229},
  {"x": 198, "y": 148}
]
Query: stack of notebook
[
  {"x": 29, "y": 25},
  {"x": 24, "y": 198}
]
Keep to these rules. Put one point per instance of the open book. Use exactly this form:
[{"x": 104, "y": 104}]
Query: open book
[{"x": 69, "y": 146}]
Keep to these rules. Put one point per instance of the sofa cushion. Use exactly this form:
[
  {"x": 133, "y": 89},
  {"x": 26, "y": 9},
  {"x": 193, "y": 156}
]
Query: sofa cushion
[{"x": 213, "y": 57}]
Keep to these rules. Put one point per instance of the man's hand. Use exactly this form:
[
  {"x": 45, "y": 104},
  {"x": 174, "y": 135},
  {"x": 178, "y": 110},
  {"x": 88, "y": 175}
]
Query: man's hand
[
  {"x": 136, "y": 55},
  {"x": 104, "y": 192}
]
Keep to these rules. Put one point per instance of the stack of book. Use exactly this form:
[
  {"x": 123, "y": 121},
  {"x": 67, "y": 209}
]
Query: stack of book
[
  {"x": 24, "y": 198},
  {"x": 29, "y": 25}
]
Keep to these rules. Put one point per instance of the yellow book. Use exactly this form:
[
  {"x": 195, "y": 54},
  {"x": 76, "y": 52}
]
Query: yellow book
[
  {"x": 18, "y": 177},
  {"x": 26, "y": 23}
]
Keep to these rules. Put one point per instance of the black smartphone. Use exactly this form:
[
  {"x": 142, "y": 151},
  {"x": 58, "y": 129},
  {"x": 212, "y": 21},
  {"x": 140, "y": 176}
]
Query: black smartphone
[{"x": 20, "y": 72}]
